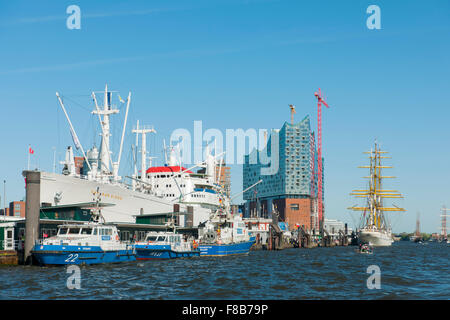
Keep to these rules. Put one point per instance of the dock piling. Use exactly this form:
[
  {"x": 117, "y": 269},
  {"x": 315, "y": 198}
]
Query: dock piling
[{"x": 32, "y": 206}]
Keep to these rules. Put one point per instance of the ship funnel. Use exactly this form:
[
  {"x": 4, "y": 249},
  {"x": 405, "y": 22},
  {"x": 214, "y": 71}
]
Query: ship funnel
[{"x": 69, "y": 163}]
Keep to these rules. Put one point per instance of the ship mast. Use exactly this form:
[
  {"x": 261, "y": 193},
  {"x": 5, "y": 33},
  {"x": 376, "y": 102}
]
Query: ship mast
[
  {"x": 143, "y": 131},
  {"x": 105, "y": 153},
  {"x": 375, "y": 193}
]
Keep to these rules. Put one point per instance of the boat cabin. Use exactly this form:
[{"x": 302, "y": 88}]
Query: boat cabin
[
  {"x": 83, "y": 234},
  {"x": 165, "y": 237},
  {"x": 84, "y": 230}
]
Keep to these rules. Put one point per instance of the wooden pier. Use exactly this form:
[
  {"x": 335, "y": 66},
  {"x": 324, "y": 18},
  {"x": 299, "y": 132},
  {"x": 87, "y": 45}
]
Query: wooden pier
[{"x": 9, "y": 257}]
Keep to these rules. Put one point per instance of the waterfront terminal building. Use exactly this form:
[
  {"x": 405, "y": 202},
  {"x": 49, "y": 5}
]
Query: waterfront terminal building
[{"x": 292, "y": 189}]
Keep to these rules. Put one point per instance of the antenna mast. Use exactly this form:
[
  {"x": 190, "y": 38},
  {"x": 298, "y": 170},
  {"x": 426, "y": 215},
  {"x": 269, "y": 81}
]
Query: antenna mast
[
  {"x": 123, "y": 135},
  {"x": 143, "y": 131},
  {"x": 105, "y": 152}
]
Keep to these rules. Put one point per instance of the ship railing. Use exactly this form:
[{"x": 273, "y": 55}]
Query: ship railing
[
  {"x": 116, "y": 246},
  {"x": 127, "y": 242},
  {"x": 182, "y": 247},
  {"x": 11, "y": 244},
  {"x": 40, "y": 241}
]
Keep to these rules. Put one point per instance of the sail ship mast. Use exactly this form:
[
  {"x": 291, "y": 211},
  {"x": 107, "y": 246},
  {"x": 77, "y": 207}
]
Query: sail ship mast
[{"x": 375, "y": 193}]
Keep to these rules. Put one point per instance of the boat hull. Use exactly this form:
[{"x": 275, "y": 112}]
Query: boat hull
[
  {"x": 67, "y": 255},
  {"x": 210, "y": 250},
  {"x": 376, "y": 238},
  {"x": 161, "y": 252}
]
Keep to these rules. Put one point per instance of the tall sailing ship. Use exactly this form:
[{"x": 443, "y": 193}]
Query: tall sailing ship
[{"x": 375, "y": 228}]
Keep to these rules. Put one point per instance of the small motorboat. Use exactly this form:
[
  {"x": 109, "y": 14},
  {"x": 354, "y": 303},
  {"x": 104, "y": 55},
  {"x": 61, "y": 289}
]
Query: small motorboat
[
  {"x": 83, "y": 243},
  {"x": 165, "y": 245},
  {"x": 365, "y": 248},
  {"x": 92, "y": 242}
]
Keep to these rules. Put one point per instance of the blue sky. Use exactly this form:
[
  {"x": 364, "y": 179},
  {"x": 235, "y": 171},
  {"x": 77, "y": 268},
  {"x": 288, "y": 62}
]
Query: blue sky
[{"x": 238, "y": 64}]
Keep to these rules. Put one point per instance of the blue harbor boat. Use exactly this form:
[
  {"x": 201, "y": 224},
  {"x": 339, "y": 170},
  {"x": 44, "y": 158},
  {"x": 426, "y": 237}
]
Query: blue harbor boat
[
  {"x": 224, "y": 234},
  {"x": 83, "y": 243},
  {"x": 165, "y": 245},
  {"x": 226, "y": 249}
]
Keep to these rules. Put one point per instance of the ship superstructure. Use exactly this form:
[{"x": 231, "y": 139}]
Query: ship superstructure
[
  {"x": 179, "y": 184},
  {"x": 154, "y": 192},
  {"x": 375, "y": 228}
]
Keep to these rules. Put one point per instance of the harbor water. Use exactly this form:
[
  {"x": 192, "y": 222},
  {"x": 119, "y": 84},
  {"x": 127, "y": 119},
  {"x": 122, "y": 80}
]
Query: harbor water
[{"x": 408, "y": 271}]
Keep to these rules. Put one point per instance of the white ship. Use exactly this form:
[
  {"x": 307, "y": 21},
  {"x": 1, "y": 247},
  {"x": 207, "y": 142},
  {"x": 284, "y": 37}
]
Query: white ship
[
  {"x": 375, "y": 228},
  {"x": 156, "y": 191},
  {"x": 376, "y": 237}
]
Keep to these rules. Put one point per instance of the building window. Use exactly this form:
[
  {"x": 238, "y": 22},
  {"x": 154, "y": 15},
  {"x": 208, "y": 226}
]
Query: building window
[
  {"x": 125, "y": 235},
  {"x": 294, "y": 206}
]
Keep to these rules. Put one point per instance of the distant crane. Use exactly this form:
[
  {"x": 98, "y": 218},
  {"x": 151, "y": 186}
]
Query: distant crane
[
  {"x": 444, "y": 216},
  {"x": 418, "y": 225},
  {"x": 292, "y": 107},
  {"x": 320, "y": 101}
]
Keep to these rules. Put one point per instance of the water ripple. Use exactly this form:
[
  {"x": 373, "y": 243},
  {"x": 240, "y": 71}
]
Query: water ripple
[{"x": 408, "y": 271}]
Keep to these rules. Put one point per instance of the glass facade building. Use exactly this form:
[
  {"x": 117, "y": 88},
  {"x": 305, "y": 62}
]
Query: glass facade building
[{"x": 296, "y": 177}]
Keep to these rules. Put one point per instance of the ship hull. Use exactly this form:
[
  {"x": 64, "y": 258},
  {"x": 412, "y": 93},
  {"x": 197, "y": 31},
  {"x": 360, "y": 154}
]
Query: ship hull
[
  {"x": 376, "y": 238},
  {"x": 51, "y": 255},
  {"x": 225, "y": 249},
  {"x": 161, "y": 252}
]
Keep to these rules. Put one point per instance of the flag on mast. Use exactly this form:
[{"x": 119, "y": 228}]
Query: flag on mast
[{"x": 30, "y": 151}]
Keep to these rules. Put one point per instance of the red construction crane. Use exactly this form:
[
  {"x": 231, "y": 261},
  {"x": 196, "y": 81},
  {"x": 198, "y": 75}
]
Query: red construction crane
[{"x": 320, "y": 101}]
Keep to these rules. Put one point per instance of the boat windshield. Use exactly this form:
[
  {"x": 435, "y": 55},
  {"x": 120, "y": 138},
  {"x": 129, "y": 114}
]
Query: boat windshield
[
  {"x": 74, "y": 230},
  {"x": 161, "y": 238},
  {"x": 62, "y": 231},
  {"x": 174, "y": 239},
  {"x": 151, "y": 238},
  {"x": 86, "y": 231}
]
